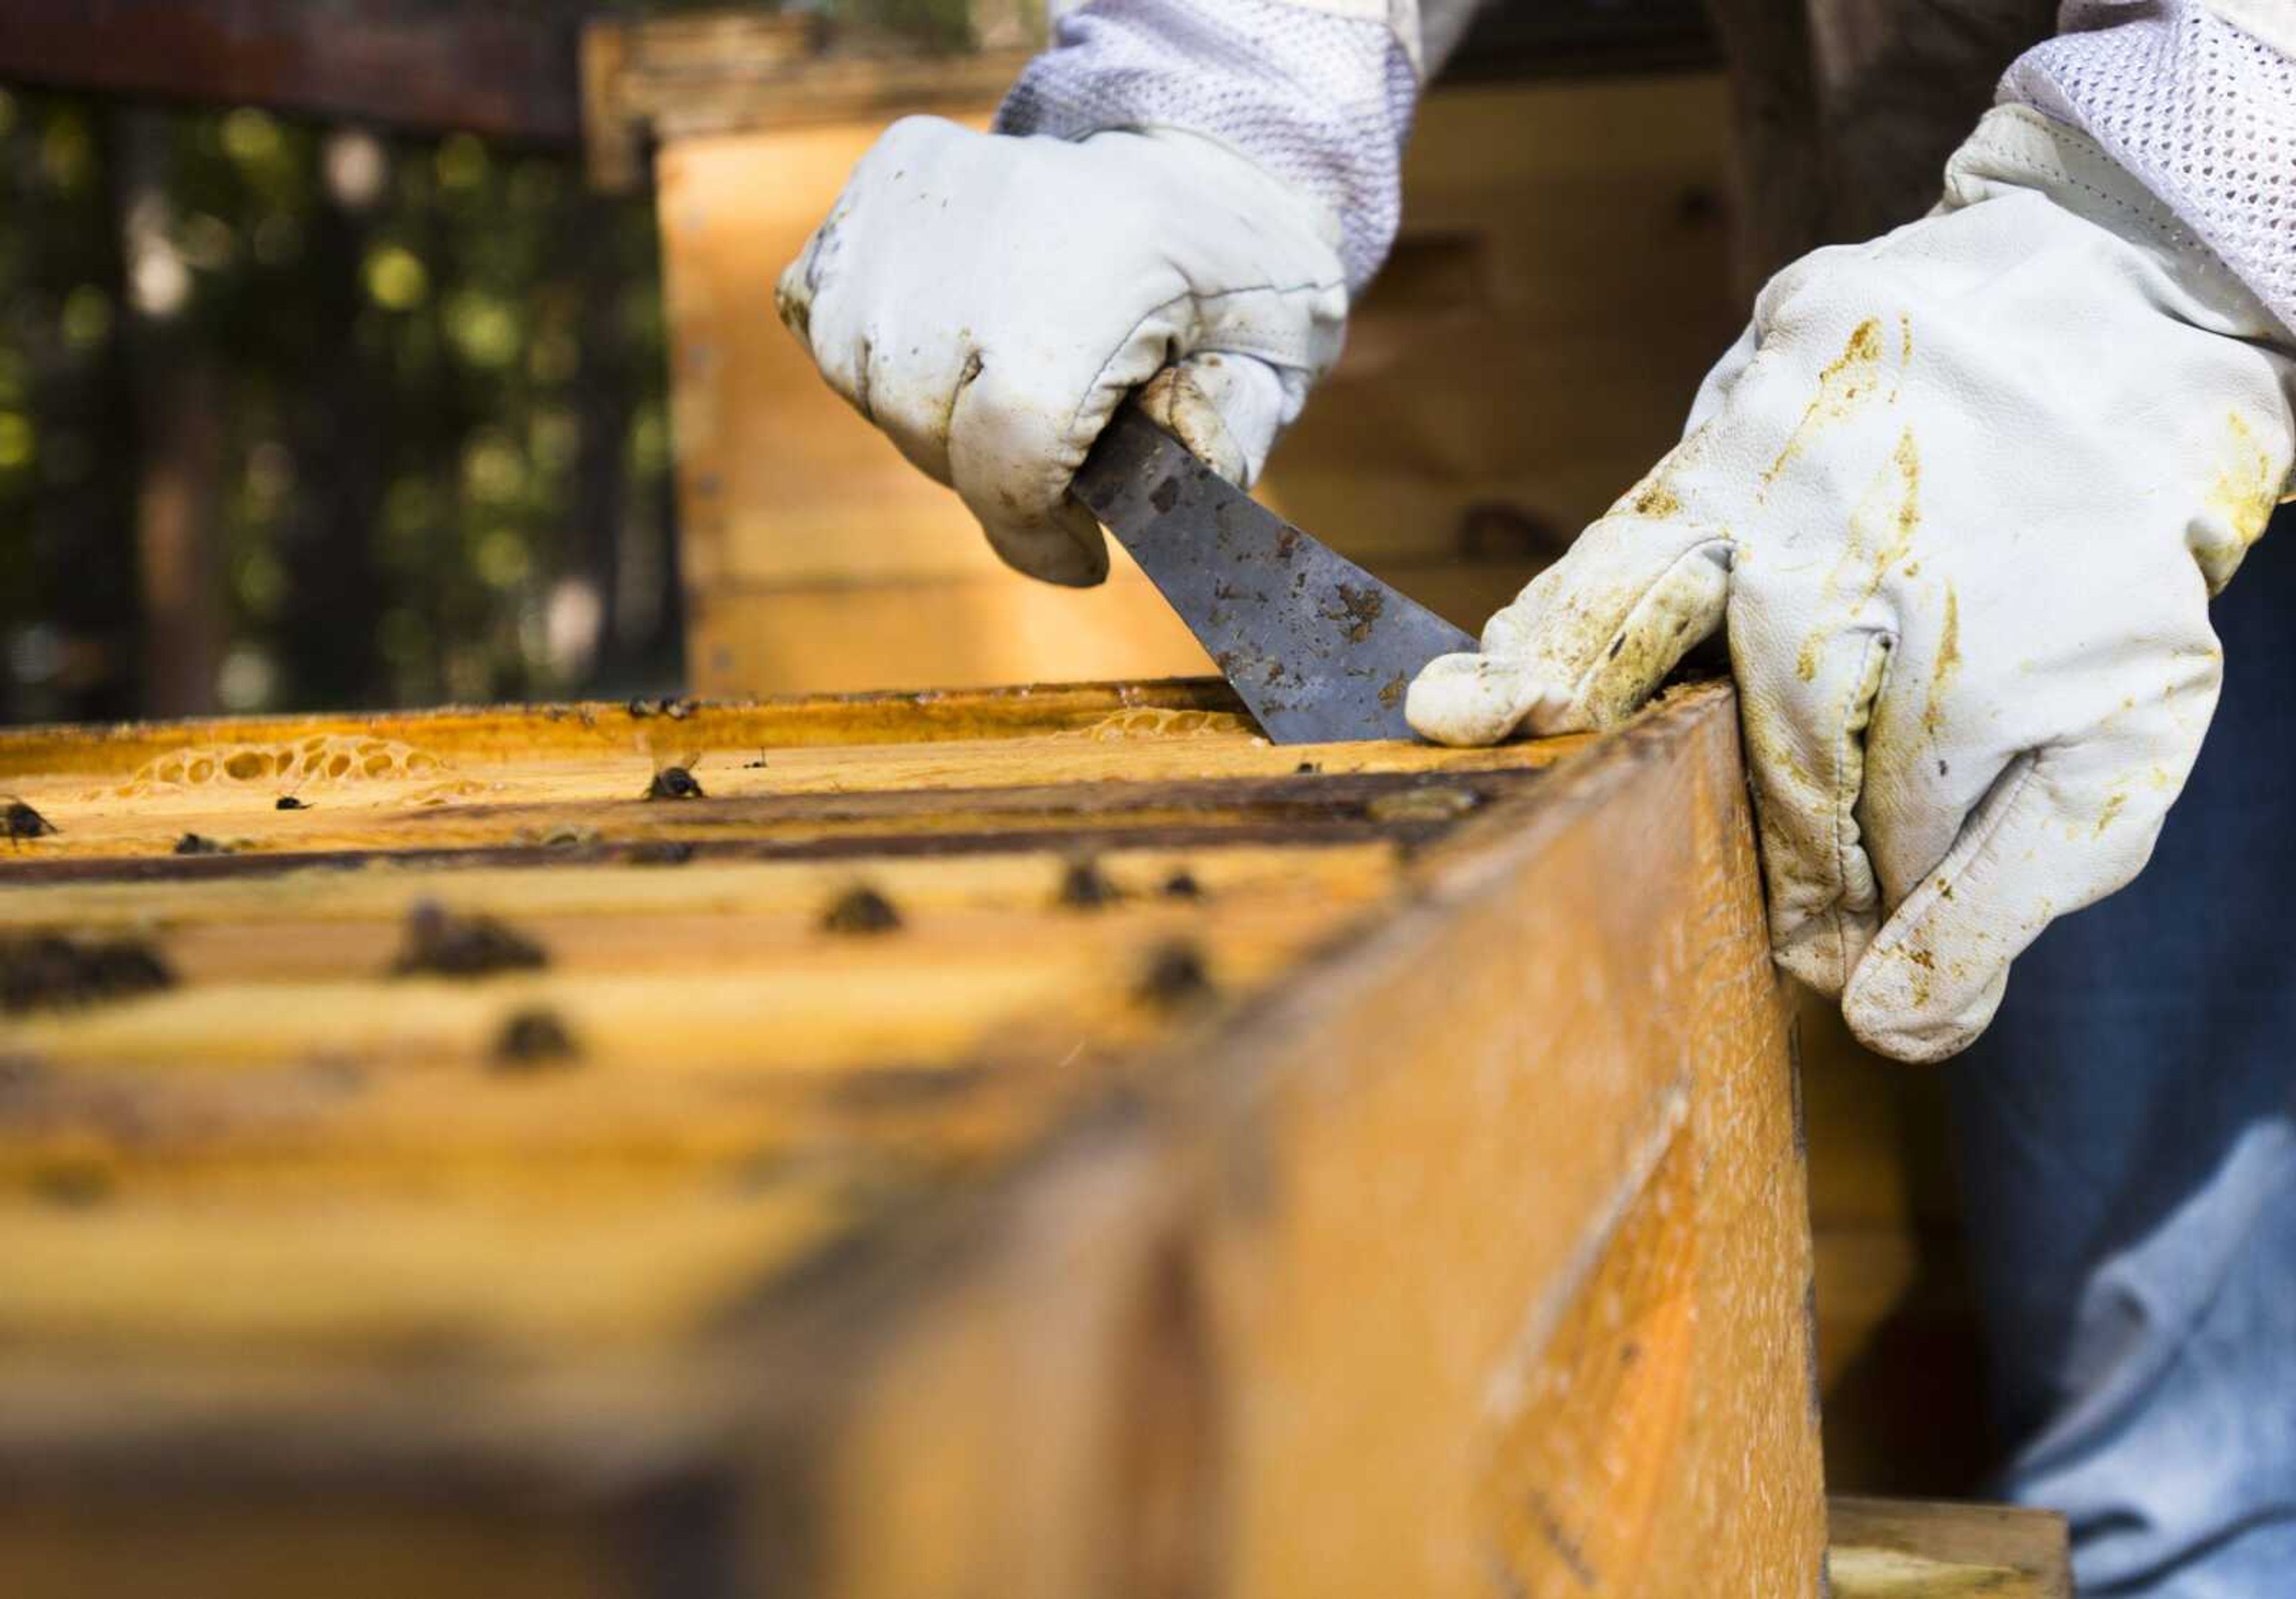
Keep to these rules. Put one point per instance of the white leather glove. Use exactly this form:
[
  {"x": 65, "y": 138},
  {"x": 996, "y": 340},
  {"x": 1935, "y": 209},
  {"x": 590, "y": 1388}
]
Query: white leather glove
[
  {"x": 1960, "y": 496},
  {"x": 988, "y": 301},
  {"x": 1186, "y": 183}
]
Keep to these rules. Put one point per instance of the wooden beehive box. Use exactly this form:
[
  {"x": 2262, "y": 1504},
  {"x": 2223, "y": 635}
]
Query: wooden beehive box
[{"x": 1361, "y": 1170}]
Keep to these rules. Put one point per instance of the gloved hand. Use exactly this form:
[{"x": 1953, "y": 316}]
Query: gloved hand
[
  {"x": 1960, "y": 496},
  {"x": 989, "y": 300}
]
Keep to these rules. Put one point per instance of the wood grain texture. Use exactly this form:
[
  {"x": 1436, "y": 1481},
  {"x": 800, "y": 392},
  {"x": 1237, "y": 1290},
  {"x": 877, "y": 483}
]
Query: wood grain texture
[
  {"x": 1620, "y": 932},
  {"x": 1385, "y": 1183},
  {"x": 1909, "y": 1549},
  {"x": 507, "y": 70}
]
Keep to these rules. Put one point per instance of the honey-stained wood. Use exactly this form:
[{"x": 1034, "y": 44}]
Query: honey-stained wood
[
  {"x": 1909, "y": 1549},
  {"x": 1559, "y": 287},
  {"x": 1038, "y": 1143}
]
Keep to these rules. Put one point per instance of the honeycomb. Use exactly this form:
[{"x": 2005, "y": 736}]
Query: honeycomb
[
  {"x": 319, "y": 760},
  {"x": 1148, "y": 722}
]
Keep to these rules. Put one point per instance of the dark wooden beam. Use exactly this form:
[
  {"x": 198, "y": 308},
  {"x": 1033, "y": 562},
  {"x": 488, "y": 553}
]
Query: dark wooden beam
[
  {"x": 1512, "y": 40},
  {"x": 514, "y": 69},
  {"x": 487, "y": 66},
  {"x": 731, "y": 70}
]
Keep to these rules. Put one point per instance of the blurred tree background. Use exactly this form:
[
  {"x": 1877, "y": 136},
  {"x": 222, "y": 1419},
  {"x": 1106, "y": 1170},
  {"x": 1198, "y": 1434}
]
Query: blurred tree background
[{"x": 296, "y": 415}]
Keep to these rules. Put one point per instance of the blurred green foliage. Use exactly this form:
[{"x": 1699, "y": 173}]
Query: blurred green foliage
[
  {"x": 419, "y": 368},
  {"x": 58, "y": 314}
]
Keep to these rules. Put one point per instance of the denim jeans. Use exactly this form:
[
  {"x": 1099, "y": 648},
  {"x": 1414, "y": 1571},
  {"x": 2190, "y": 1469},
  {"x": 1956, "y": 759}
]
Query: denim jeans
[{"x": 2128, "y": 1146}]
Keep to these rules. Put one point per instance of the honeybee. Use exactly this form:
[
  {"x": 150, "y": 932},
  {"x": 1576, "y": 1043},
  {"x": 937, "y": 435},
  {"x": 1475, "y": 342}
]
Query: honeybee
[
  {"x": 673, "y": 775},
  {"x": 21, "y": 821}
]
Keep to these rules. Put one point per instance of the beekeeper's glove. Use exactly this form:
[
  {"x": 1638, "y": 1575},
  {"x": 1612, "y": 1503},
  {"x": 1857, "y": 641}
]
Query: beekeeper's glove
[
  {"x": 1186, "y": 183},
  {"x": 1961, "y": 496}
]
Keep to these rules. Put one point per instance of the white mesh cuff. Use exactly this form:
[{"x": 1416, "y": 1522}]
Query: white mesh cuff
[
  {"x": 1402, "y": 18},
  {"x": 1398, "y": 17},
  {"x": 2201, "y": 111},
  {"x": 1321, "y": 101}
]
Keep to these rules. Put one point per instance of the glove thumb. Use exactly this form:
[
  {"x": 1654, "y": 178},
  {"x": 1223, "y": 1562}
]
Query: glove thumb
[
  {"x": 1228, "y": 409},
  {"x": 1592, "y": 638}
]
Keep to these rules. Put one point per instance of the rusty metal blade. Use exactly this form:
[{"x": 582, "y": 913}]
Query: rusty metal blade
[{"x": 1319, "y": 649}]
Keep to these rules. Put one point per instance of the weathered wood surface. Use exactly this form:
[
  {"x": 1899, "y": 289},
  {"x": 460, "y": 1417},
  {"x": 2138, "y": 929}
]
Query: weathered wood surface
[
  {"x": 654, "y": 81},
  {"x": 1847, "y": 109},
  {"x": 1560, "y": 286},
  {"x": 551, "y": 73},
  {"x": 1908, "y": 1549},
  {"x": 1413, "y": 1207},
  {"x": 491, "y": 67}
]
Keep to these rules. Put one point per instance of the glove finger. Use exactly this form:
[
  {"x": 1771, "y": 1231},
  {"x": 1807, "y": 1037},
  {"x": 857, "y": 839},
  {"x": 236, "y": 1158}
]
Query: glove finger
[
  {"x": 793, "y": 293},
  {"x": 1469, "y": 701},
  {"x": 1227, "y": 409},
  {"x": 801, "y": 282},
  {"x": 1804, "y": 714},
  {"x": 1589, "y": 640},
  {"x": 1011, "y": 462},
  {"x": 2059, "y": 828},
  {"x": 1945, "y": 728},
  {"x": 1059, "y": 544}
]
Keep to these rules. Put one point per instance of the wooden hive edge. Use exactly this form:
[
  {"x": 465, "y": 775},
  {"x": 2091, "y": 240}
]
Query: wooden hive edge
[{"x": 824, "y": 721}]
